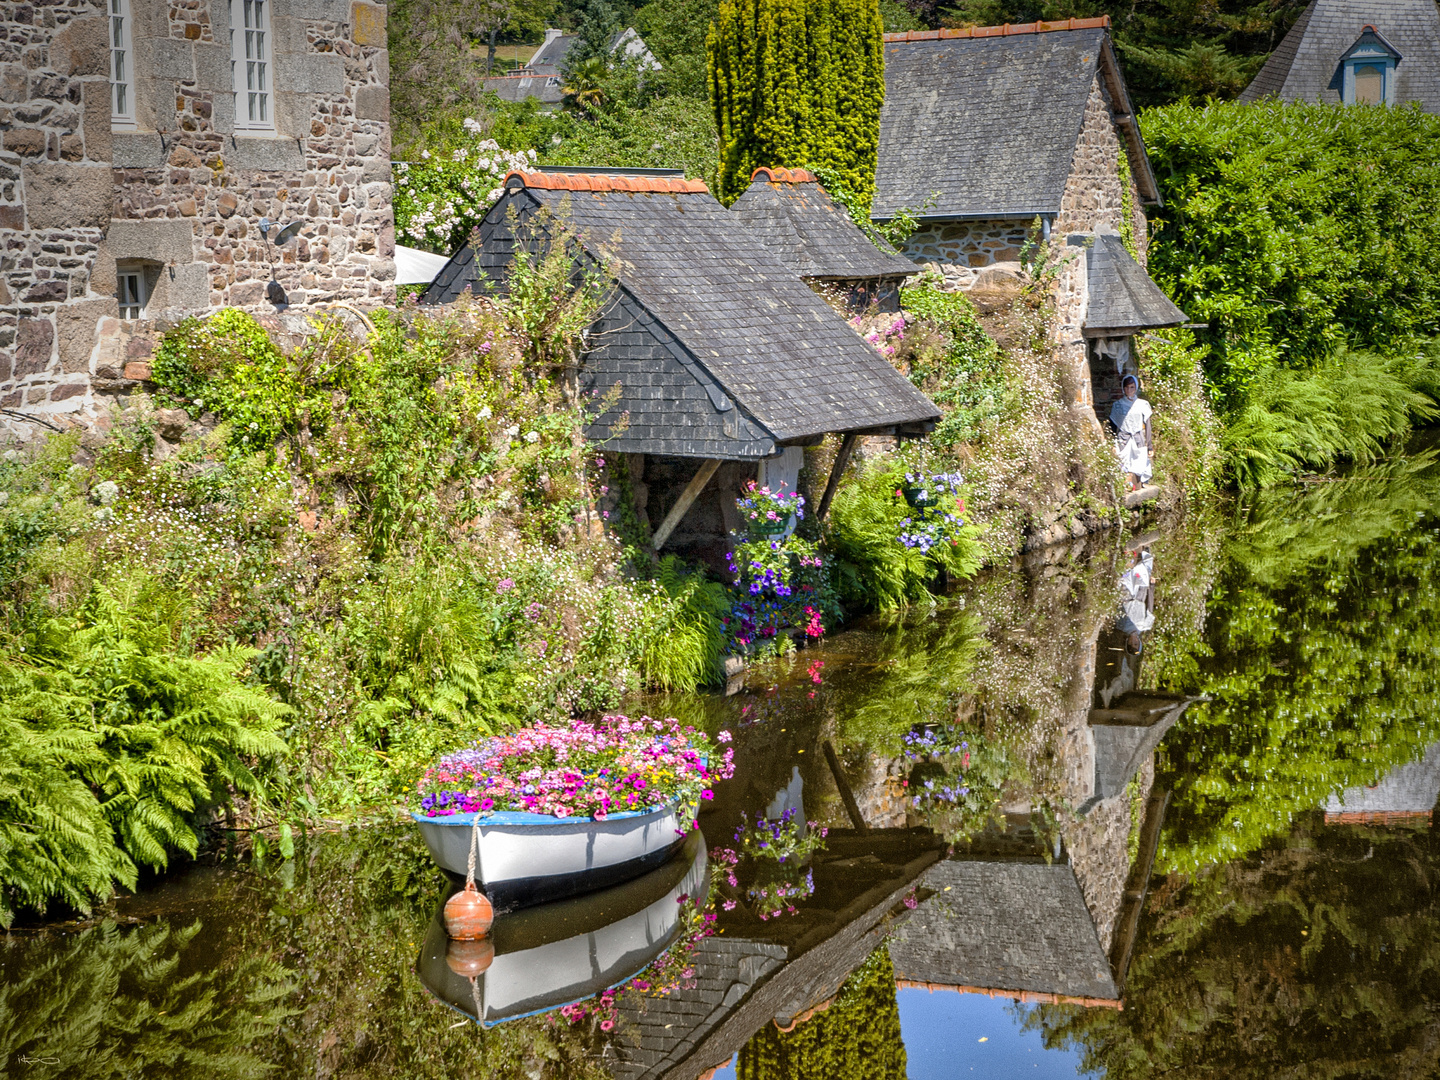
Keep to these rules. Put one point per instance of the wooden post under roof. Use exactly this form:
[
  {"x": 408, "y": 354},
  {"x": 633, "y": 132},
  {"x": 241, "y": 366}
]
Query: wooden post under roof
[
  {"x": 841, "y": 460},
  {"x": 687, "y": 498}
]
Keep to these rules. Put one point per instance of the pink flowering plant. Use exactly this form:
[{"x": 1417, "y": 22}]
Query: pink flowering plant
[
  {"x": 578, "y": 769},
  {"x": 767, "y": 512},
  {"x": 777, "y": 583}
]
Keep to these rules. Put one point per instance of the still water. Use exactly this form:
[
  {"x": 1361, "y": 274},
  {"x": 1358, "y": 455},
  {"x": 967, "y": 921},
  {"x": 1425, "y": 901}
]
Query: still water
[{"x": 1157, "y": 804}]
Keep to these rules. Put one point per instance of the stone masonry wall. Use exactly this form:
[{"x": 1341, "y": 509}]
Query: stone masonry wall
[
  {"x": 1093, "y": 201},
  {"x": 182, "y": 191},
  {"x": 960, "y": 248}
]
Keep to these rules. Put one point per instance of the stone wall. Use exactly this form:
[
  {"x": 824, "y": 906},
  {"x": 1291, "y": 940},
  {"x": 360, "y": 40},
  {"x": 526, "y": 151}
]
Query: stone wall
[
  {"x": 181, "y": 191},
  {"x": 959, "y": 249}
]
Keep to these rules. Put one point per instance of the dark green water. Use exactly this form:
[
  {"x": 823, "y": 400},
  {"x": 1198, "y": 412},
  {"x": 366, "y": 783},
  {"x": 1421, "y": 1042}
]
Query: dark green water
[{"x": 1211, "y": 804}]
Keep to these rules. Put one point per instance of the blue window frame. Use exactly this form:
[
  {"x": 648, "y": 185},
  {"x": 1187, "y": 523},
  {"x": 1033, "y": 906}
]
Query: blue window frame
[{"x": 1366, "y": 73}]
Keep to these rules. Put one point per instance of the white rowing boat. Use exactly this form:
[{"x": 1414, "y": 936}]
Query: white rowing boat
[
  {"x": 558, "y": 953},
  {"x": 526, "y": 859}
]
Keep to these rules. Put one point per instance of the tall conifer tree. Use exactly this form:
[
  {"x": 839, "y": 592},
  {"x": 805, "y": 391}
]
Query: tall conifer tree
[{"x": 797, "y": 83}]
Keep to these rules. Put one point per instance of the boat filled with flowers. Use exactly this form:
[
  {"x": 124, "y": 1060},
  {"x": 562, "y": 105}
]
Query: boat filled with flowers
[{"x": 567, "y": 809}]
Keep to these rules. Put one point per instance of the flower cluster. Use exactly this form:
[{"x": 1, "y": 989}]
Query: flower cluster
[
  {"x": 778, "y": 583},
  {"x": 886, "y": 337},
  {"x": 782, "y": 840},
  {"x": 579, "y": 769},
  {"x": 441, "y": 197},
  {"x": 939, "y": 509},
  {"x": 768, "y": 512}
]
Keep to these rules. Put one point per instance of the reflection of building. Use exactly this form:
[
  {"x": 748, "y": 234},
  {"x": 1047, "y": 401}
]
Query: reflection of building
[
  {"x": 1357, "y": 51},
  {"x": 1406, "y": 795},
  {"x": 1017, "y": 927}
]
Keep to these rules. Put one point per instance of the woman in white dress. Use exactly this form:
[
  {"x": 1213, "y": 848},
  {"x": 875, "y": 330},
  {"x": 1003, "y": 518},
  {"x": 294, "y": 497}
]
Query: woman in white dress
[{"x": 1131, "y": 416}]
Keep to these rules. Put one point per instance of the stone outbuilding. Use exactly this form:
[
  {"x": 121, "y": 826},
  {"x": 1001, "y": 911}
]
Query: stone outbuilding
[
  {"x": 1357, "y": 52},
  {"x": 715, "y": 352},
  {"x": 988, "y": 129},
  {"x": 143, "y": 143},
  {"x": 1006, "y": 137},
  {"x": 789, "y": 212}
]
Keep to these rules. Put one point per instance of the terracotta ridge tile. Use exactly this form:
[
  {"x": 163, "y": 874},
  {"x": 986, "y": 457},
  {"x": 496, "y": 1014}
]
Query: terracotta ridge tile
[
  {"x": 602, "y": 182},
  {"x": 783, "y": 176},
  {"x": 1005, "y": 30}
]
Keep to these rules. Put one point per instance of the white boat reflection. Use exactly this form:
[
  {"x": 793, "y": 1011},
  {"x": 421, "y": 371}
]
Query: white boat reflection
[{"x": 543, "y": 957}]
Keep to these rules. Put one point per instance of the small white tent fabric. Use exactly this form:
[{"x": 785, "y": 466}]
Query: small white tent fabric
[{"x": 416, "y": 267}]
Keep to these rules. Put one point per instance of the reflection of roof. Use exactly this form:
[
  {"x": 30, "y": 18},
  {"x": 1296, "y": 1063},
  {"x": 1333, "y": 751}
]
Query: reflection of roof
[
  {"x": 987, "y": 119},
  {"x": 1405, "y": 793},
  {"x": 1122, "y": 296},
  {"x": 705, "y": 320},
  {"x": 790, "y": 213},
  {"x": 1019, "y": 926},
  {"x": 1305, "y": 65}
]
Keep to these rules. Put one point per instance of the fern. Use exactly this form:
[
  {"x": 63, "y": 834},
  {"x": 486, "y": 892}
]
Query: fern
[
  {"x": 1352, "y": 406},
  {"x": 683, "y": 649},
  {"x": 875, "y": 569},
  {"x": 112, "y": 747}
]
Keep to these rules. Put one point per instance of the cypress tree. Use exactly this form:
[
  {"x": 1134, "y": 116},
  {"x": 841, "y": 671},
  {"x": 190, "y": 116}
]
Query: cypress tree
[{"x": 797, "y": 83}]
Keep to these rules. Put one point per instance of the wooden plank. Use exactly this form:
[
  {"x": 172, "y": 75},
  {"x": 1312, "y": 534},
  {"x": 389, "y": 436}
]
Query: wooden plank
[
  {"x": 847, "y": 796},
  {"x": 841, "y": 460},
  {"x": 1128, "y": 923},
  {"x": 687, "y": 498}
]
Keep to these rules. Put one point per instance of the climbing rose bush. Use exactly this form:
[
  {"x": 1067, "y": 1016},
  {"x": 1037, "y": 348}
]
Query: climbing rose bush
[
  {"x": 443, "y": 196},
  {"x": 578, "y": 769}
]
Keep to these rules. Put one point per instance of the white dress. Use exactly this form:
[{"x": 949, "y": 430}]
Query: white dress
[{"x": 1129, "y": 418}]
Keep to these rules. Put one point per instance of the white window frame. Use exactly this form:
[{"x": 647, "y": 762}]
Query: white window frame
[
  {"x": 122, "y": 65},
  {"x": 132, "y": 288},
  {"x": 252, "y": 66}
]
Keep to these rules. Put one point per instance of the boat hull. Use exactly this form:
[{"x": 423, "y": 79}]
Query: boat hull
[
  {"x": 527, "y": 859},
  {"x": 557, "y": 953}
]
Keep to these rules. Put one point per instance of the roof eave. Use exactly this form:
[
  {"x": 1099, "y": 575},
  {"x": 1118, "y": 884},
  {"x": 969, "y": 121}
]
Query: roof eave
[{"x": 1145, "y": 180}]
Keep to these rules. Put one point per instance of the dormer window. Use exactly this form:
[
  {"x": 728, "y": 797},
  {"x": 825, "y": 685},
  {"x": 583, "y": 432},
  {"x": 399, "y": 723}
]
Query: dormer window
[{"x": 1367, "y": 70}]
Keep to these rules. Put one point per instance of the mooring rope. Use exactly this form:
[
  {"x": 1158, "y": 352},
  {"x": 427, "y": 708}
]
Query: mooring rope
[{"x": 474, "y": 851}]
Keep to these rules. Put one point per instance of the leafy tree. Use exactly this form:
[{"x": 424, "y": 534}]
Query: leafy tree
[
  {"x": 1171, "y": 49},
  {"x": 797, "y": 83},
  {"x": 599, "y": 23}
]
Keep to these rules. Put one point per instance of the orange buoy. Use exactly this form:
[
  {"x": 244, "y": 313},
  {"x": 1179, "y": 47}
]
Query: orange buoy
[
  {"x": 470, "y": 958},
  {"x": 469, "y": 914}
]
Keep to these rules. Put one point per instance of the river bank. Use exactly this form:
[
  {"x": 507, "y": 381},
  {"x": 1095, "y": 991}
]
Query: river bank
[{"x": 1287, "y": 612}]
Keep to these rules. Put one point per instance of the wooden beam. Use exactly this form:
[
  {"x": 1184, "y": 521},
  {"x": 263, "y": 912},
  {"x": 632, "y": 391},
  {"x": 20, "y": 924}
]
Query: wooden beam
[
  {"x": 841, "y": 460},
  {"x": 1127, "y": 923},
  {"x": 846, "y": 795},
  {"x": 687, "y": 498}
]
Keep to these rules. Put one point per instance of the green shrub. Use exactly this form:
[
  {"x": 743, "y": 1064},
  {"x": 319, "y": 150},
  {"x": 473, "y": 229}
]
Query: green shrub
[
  {"x": 683, "y": 652},
  {"x": 115, "y": 749},
  {"x": 228, "y": 365},
  {"x": 873, "y": 569},
  {"x": 965, "y": 376},
  {"x": 1295, "y": 230}
]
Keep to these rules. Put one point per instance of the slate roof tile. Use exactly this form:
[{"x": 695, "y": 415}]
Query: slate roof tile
[
  {"x": 1122, "y": 295},
  {"x": 986, "y": 119},
  {"x": 790, "y": 213},
  {"x": 1304, "y": 66}
]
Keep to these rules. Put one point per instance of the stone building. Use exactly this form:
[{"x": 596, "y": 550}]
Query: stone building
[
  {"x": 141, "y": 146},
  {"x": 718, "y": 359},
  {"x": 1002, "y": 137},
  {"x": 1357, "y": 51}
]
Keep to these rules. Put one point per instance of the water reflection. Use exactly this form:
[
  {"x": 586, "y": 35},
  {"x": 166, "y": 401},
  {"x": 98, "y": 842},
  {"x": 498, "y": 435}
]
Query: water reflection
[
  {"x": 997, "y": 778},
  {"x": 557, "y": 954}
]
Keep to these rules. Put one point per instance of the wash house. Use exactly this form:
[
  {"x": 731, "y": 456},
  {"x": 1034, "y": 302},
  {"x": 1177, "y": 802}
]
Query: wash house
[{"x": 717, "y": 363}]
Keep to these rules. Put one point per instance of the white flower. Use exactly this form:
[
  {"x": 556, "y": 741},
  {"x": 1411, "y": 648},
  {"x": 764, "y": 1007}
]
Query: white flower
[
  {"x": 483, "y": 414},
  {"x": 513, "y": 430},
  {"x": 106, "y": 492},
  {"x": 532, "y": 436}
]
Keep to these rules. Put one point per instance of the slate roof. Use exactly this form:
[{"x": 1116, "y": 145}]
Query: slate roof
[
  {"x": 1305, "y": 65},
  {"x": 546, "y": 87},
  {"x": 1020, "y": 926},
  {"x": 551, "y": 55},
  {"x": 718, "y": 349},
  {"x": 1122, "y": 296},
  {"x": 1405, "y": 790},
  {"x": 790, "y": 213},
  {"x": 988, "y": 118}
]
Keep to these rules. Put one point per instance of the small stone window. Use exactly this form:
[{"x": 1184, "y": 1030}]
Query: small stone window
[
  {"x": 122, "y": 69},
  {"x": 134, "y": 281},
  {"x": 250, "y": 64}
]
